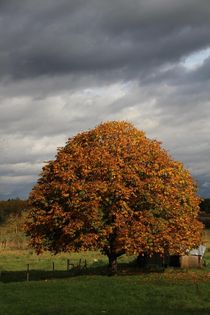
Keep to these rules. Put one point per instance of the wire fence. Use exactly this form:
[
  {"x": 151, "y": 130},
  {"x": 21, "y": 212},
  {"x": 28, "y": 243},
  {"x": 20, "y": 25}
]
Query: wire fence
[{"x": 35, "y": 271}]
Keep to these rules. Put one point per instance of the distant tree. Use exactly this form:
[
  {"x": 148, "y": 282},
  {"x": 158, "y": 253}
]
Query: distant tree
[
  {"x": 12, "y": 217},
  {"x": 205, "y": 205},
  {"x": 205, "y": 212},
  {"x": 113, "y": 189},
  {"x": 11, "y": 206}
]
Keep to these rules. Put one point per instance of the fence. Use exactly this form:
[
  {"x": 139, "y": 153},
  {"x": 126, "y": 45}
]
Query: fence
[{"x": 31, "y": 273}]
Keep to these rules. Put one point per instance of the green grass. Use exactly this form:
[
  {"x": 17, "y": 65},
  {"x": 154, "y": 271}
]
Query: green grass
[
  {"x": 91, "y": 291},
  {"x": 121, "y": 295},
  {"x": 17, "y": 260},
  {"x": 14, "y": 264}
]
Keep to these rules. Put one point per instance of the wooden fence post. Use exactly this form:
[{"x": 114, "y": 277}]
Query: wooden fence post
[
  {"x": 27, "y": 273},
  {"x": 85, "y": 265}
]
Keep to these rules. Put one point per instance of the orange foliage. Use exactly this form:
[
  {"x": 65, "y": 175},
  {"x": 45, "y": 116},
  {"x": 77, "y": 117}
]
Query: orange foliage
[{"x": 113, "y": 189}]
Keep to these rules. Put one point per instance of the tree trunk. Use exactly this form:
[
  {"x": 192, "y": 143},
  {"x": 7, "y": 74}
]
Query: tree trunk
[{"x": 112, "y": 264}]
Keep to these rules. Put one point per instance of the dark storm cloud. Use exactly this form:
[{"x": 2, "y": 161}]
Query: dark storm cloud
[
  {"x": 65, "y": 66},
  {"x": 51, "y": 37}
]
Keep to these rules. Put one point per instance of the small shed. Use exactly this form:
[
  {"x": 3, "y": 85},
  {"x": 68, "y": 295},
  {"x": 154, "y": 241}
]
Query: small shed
[{"x": 192, "y": 259}]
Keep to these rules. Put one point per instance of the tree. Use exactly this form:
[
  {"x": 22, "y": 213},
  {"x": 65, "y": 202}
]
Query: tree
[
  {"x": 205, "y": 205},
  {"x": 11, "y": 206},
  {"x": 113, "y": 189}
]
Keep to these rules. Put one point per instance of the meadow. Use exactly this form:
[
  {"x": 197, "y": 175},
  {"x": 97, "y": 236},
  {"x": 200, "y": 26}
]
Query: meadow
[
  {"x": 86, "y": 289},
  {"x": 82, "y": 295}
]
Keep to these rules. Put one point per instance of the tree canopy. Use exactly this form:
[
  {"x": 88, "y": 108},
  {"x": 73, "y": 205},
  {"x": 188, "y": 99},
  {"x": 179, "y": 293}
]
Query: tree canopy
[{"x": 113, "y": 189}]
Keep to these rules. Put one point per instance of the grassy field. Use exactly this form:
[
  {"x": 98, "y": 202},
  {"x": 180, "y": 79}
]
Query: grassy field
[
  {"x": 90, "y": 291},
  {"x": 85, "y": 295}
]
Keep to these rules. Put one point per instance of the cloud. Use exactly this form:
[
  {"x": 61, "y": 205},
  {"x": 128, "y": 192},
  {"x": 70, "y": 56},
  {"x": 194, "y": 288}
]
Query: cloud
[
  {"x": 94, "y": 36},
  {"x": 196, "y": 59},
  {"x": 66, "y": 66}
]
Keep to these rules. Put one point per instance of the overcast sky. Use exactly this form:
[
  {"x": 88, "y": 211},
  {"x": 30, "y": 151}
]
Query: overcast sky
[{"x": 67, "y": 65}]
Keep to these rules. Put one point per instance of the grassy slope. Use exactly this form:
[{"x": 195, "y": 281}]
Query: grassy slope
[
  {"x": 172, "y": 292},
  {"x": 105, "y": 295}
]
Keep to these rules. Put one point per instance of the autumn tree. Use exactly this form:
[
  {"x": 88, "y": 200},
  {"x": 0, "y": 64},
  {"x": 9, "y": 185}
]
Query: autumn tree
[{"x": 113, "y": 189}]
